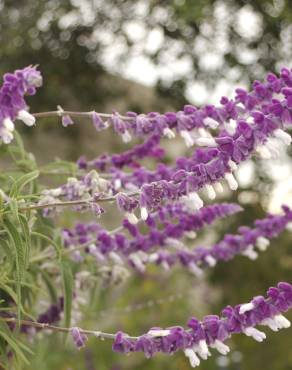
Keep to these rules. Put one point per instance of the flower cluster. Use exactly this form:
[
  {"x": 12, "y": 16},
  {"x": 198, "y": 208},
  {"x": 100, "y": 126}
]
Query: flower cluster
[
  {"x": 150, "y": 148},
  {"x": 248, "y": 124},
  {"x": 165, "y": 228},
  {"x": 171, "y": 208},
  {"x": 248, "y": 243},
  {"x": 88, "y": 190},
  {"x": 161, "y": 243},
  {"x": 212, "y": 331},
  {"x": 12, "y": 104}
]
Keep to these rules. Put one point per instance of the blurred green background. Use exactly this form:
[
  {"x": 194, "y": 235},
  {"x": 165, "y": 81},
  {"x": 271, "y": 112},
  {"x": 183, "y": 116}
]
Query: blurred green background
[{"x": 156, "y": 56}]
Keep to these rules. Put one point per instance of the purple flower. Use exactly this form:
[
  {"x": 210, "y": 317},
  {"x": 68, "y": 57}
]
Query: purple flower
[
  {"x": 78, "y": 337},
  {"x": 67, "y": 120}
]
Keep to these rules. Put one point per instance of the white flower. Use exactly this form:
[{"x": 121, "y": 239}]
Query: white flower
[
  {"x": 8, "y": 124},
  {"x": 202, "y": 349},
  {"x": 221, "y": 347},
  {"x": 168, "y": 133},
  {"x": 257, "y": 335},
  {"x": 208, "y": 121},
  {"x": 187, "y": 138},
  {"x": 263, "y": 152},
  {"x": 137, "y": 262},
  {"x": 232, "y": 183},
  {"x": 191, "y": 234},
  {"x": 250, "y": 252},
  {"x": 158, "y": 332},
  {"x": 144, "y": 213},
  {"x": 126, "y": 137},
  {"x": 282, "y": 322},
  {"x": 218, "y": 187},
  {"x": 232, "y": 165},
  {"x": 132, "y": 218},
  {"x": 116, "y": 258},
  {"x": 193, "y": 201},
  {"x": 195, "y": 269},
  {"x": 26, "y": 117},
  {"x": 194, "y": 359},
  {"x": 153, "y": 257},
  {"x": 283, "y": 136},
  {"x": 206, "y": 141},
  {"x": 210, "y": 191},
  {"x": 262, "y": 243},
  {"x": 246, "y": 307},
  {"x": 211, "y": 261},
  {"x": 230, "y": 126}
]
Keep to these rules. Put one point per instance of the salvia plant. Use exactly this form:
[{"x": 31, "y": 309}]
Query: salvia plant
[{"x": 160, "y": 208}]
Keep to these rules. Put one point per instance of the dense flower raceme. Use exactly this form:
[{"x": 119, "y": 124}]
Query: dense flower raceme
[
  {"x": 213, "y": 330},
  {"x": 12, "y": 104},
  {"x": 165, "y": 227},
  {"x": 247, "y": 243},
  {"x": 88, "y": 189},
  {"x": 161, "y": 244},
  {"x": 130, "y": 158},
  {"x": 258, "y": 119},
  {"x": 191, "y": 121}
]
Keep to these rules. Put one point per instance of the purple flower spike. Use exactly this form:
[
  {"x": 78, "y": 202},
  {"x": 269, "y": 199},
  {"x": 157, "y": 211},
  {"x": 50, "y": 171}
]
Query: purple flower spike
[{"x": 12, "y": 104}]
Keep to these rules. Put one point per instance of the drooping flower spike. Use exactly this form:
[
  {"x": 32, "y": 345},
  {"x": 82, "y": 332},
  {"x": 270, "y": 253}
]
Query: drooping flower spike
[
  {"x": 165, "y": 228},
  {"x": 150, "y": 148},
  {"x": 258, "y": 116},
  {"x": 12, "y": 103},
  {"x": 248, "y": 242},
  {"x": 212, "y": 331},
  {"x": 161, "y": 244},
  {"x": 193, "y": 124}
]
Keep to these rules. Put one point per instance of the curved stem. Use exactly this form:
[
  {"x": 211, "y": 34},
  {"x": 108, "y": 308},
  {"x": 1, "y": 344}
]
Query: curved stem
[
  {"x": 73, "y": 202},
  {"x": 60, "y": 113},
  {"x": 55, "y": 328}
]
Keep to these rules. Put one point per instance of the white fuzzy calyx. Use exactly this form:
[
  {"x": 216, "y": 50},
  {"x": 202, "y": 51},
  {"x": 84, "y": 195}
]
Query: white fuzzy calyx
[
  {"x": 246, "y": 307},
  {"x": 256, "y": 334},
  {"x": 250, "y": 252},
  {"x": 144, "y": 213},
  {"x": 195, "y": 269},
  {"x": 210, "y": 122},
  {"x": 132, "y": 218},
  {"x": 232, "y": 183},
  {"x": 168, "y": 133},
  {"x": 193, "y": 358},
  {"x": 210, "y": 260},
  {"x": 210, "y": 191},
  {"x": 202, "y": 349},
  {"x": 283, "y": 136},
  {"x": 220, "y": 346},
  {"x": 262, "y": 243},
  {"x": 26, "y": 117},
  {"x": 189, "y": 141},
  {"x": 206, "y": 141}
]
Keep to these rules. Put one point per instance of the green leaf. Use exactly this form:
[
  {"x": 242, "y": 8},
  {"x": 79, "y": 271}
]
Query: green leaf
[
  {"x": 49, "y": 240},
  {"x": 10, "y": 257},
  {"x": 14, "y": 344},
  {"x": 50, "y": 285},
  {"x": 23, "y": 180},
  {"x": 26, "y": 233},
  {"x": 67, "y": 279},
  {"x": 20, "y": 256}
]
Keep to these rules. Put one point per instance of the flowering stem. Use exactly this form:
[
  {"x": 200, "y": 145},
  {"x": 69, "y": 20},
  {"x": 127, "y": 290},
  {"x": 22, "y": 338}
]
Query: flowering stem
[
  {"x": 73, "y": 202},
  {"x": 55, "y": 328},
  {"x": 60, "y": 113}
]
